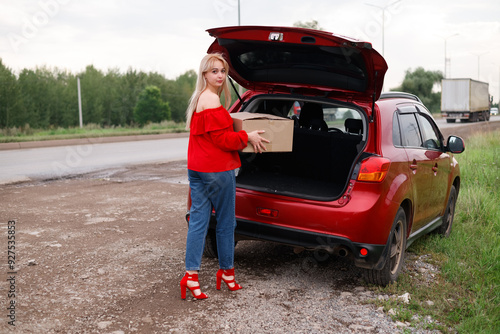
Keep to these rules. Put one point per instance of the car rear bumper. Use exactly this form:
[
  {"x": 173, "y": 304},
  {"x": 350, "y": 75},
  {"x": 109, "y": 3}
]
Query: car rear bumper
[
  {"x": 250, "y": 230},
  {"x": 311, "y": 240}
]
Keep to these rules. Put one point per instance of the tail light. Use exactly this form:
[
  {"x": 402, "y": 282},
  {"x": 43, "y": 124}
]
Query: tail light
[
  {"x": 374, "y": 169},
  {"x": 267, "y": 212}
]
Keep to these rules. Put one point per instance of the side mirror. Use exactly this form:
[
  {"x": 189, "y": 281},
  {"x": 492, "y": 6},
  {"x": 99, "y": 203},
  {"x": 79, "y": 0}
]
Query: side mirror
[{"x": 455, "y": 144}]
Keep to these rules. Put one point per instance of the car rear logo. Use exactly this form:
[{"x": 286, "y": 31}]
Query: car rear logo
[{"x": 276, "y": 36}]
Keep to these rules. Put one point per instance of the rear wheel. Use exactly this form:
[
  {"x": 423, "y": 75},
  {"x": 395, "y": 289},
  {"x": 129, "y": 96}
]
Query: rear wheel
[
  {"x": 395, "y": 259},
  {"x": 445, "y": 228},
  {"x": 210, "y": 249},
  {"x": 210, "y": 245}
]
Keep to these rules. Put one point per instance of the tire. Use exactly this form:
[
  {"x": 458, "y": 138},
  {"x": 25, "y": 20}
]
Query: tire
[
  {"x": 210, "y": 249},
  {"x": 395, "y": 258},
  {"x": 485, "y": 116},
  {"x": 445, "y": 229}
]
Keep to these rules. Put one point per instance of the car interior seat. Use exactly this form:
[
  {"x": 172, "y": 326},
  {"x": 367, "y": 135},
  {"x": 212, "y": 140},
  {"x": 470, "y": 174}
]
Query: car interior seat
[
  {"x": 311, "y": 117},
  {"x": 354, "y": 126}
]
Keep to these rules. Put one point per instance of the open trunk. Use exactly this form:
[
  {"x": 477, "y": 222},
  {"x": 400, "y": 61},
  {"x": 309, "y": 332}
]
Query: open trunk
[{"x": 327, "y": 140}]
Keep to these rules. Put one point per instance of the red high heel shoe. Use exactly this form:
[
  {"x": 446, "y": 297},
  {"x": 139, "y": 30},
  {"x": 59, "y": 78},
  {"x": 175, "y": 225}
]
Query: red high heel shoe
[
  {"x": 227, "y": 273},
  {"x": 184, "y": 286}
]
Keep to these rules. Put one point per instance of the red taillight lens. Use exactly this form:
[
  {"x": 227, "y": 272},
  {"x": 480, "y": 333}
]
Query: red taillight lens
[
  {"x": 374, "y": 169},
  {"x": 267, "y": 212}
]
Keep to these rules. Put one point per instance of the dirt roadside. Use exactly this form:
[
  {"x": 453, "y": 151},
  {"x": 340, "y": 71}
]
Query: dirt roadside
[{"x": 104, "y": 253}]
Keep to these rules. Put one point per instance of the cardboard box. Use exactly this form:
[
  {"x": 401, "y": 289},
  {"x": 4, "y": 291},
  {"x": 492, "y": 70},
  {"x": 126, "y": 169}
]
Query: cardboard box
[{"x": 279, "y": 130}]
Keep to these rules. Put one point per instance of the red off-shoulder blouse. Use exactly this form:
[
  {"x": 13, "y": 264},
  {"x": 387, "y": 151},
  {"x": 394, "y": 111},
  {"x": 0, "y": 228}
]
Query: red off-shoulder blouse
[{"x": 213, "y": 144}]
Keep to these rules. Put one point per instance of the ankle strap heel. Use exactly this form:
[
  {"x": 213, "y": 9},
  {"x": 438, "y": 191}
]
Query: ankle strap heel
[
  {"x": 195, "y": 290},
  {"x": 227, "y": 275}
]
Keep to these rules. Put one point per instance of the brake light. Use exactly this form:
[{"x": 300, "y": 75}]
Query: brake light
[
  {"x": 374, "y": 169},
  {"x": 267, "y": 212}
]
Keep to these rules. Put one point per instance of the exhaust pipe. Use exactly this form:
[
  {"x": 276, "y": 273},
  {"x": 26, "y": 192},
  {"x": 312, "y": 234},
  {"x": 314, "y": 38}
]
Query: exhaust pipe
[{"x": 343, "y": 252}]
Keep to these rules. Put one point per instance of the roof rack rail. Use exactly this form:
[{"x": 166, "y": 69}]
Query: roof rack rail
[{"x": 400, "y": 95}]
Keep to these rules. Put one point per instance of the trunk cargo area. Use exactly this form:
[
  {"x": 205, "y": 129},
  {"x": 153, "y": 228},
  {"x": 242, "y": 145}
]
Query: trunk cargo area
[{"x": 318, "y": 167}]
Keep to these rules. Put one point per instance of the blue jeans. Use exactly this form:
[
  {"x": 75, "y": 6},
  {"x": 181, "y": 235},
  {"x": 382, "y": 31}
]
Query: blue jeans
[{"x": 219, "y": 190}]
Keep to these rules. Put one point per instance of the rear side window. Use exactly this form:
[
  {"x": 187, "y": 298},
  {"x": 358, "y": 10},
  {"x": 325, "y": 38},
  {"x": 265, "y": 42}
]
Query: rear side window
[
  {"x": 396, "y": 133},
  {"x": 410, "y": 133}
]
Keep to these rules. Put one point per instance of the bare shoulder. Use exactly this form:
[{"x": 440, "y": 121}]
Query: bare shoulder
[{"x": 208, "y": 100}]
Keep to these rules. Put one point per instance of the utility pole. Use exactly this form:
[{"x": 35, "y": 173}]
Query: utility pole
[
  {"x": 446, "y": 59},
  {"x": 383, "y": 8},
  {"x": 478, "y": 57},
  {"x": 79, "y": 102}
]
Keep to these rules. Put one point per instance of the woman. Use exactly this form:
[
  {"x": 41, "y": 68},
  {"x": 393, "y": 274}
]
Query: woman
[{"x": 212, "y": 158}]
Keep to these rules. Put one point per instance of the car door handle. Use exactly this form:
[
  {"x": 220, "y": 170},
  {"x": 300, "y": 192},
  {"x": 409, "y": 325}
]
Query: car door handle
[{"x": 413, "y": 165}]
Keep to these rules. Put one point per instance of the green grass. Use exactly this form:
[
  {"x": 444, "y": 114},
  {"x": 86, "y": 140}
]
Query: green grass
[
  {"x": 466, "y": 290},
  {"x": 9, "y": 135}
]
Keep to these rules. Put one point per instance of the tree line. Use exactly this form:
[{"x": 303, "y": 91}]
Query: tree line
[
  {"x": 43, "y": 97},
  {"x": 422, "y": 84}
]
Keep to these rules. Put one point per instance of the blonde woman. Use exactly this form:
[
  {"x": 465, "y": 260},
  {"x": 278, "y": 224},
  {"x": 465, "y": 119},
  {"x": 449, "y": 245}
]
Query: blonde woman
[{"x": 212, "y": 158}]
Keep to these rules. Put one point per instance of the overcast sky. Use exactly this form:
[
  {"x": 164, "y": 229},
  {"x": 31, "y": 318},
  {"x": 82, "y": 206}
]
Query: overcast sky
[{"x": 169, "y": 37}]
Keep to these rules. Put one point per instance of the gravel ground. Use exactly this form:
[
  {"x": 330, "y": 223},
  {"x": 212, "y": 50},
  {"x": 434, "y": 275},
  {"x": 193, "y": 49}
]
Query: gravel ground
[{"x": 103, "y": 253}]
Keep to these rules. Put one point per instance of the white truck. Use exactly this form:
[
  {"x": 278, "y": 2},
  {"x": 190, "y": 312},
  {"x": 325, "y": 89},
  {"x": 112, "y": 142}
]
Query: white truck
[{"x": 465, "y": 99}]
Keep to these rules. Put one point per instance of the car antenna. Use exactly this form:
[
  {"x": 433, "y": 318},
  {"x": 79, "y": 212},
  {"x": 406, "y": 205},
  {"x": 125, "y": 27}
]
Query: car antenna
[{"x": 235, "y": 90}]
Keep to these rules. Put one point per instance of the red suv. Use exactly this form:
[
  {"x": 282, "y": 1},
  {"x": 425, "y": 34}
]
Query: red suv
[{"x": 369, "y": 172}]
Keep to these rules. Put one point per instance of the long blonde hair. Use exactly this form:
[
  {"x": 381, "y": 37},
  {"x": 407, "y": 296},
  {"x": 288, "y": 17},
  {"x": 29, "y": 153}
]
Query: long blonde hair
[{"x": 207, "y": 63}]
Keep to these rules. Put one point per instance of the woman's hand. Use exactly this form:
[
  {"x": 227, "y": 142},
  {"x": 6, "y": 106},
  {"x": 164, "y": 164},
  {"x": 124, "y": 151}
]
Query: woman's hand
[{"x": 257, "y": 141}]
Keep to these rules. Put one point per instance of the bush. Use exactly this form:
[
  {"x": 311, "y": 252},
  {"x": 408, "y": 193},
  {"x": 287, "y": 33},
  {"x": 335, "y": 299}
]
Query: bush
[{"x": 150, "y": 107}]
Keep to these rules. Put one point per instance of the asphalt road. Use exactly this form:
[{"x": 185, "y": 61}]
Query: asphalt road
[
  {"x": 441, "y": 122},
  {"x": 59, "y": 161},
  {"x": 18, "y": 165}
]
